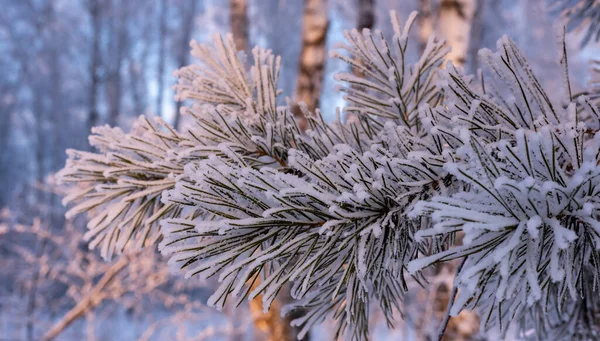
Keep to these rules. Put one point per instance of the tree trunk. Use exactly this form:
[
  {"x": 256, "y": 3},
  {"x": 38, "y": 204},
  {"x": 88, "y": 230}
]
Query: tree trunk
[
  {"x": 57, "y": 126},
  {"x": 464, "y": 326},
  {"x": 366, "y": 14},
  {"x": 310, "y": 72},
  {"x": 312, "y": 55},
  {"x": 365, "y": 19},
  {"x": 114, "y": 84},
  {"x": 94, "y": 10},
  {"x": 41, "y": 151},
  {"x": 137, "y": 73},
  {"x": 451, "y": 20},
  {"x": 40, "y": 173},
  {"x": 425, "y": 23},
  {"x": 137, "y": 83},
  {"x": 476, "y": 36},
  {"x": 239, "y": 23},
  {"x": 6, "y": 126},
  {"x": 269, "y": 326},
  {"x": 188, "y": 14},
  {"x": 454, "y": 24},
  {"x": 160, "y": 76}
]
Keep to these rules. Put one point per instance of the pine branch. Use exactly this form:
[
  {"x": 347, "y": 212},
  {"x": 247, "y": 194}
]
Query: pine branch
[
  {"x": 121, "y": 187},
  {"x": 349, "y": 212},
  {"x": 391, "y": 88},
  {"x": 527, "y": 207}
]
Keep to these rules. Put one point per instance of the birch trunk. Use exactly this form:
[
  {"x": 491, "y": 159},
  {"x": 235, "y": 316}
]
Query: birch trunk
[
  {"x": 312, "y": 65},
  {"x": 454, "y": 24},
  {"x": 425, "y": 23},
  {"x": 312, "y": 55},
  {"x": 454, "y": 20},
  {"x": 239, "y": 23}
]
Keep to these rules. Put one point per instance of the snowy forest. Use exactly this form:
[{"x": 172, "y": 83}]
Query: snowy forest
[{"x": 299, "y": 170}]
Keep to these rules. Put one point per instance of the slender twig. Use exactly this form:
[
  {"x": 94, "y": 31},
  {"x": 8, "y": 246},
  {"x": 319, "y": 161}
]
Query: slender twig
[
  {"x": 90, "y": 301},
  {"x": 446, "y": 319}
]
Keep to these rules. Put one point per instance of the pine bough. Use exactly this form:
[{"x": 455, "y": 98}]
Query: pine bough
[{"x": 348, "y": 213}]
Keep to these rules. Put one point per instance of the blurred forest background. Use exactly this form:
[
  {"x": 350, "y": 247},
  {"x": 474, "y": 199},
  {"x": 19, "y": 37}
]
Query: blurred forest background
[{"x": 69, "y": 65}]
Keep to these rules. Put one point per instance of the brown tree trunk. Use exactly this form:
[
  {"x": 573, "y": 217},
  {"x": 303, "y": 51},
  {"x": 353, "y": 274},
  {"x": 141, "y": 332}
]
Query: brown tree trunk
[
  {"x": 464, "y": 326},
  {"x": 366, "y": 14},
  {"x": 312, "y": 55},
  {"x": 310, "y": 72},
  {"x": 269, "y": 326},
  {"x": 239, "y": 23}
]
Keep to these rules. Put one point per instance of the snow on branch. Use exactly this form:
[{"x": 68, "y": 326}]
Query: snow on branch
[
  {"x": 329, "y": 217},
  {"x": 120, "y": 187},
  {"x": 389, "y": 86},
  {"x": 529, "y": 204},
  {"x": 346, "y": 214}
]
